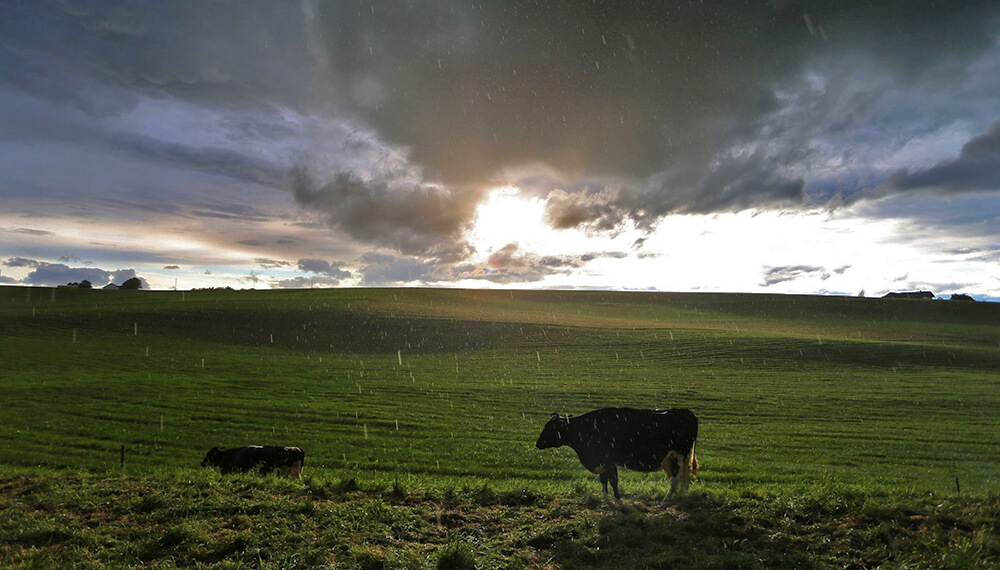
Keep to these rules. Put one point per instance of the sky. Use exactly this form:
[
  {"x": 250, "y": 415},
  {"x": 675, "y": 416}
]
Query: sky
[{"x": 836, "y": 148}]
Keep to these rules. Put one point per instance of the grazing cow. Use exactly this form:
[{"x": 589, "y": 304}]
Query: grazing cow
[
  {"x": 283, "y": 461},
  {"x": 641, "y": 440}
]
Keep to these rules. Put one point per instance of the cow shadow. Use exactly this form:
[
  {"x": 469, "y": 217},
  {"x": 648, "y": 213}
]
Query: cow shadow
[{"x": 690, "y": 531}]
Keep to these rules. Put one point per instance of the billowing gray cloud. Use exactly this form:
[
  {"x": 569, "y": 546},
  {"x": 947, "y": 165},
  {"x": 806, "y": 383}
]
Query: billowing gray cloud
[
  {"x": 412, "y": 217},
  {"x": 387, "y": 269},
  {"x": 596, "y": 211},
  {"x": 21, "y": 262},
  {"x": 301, "y": 282},
  {"x": 324, "y": 267},
  {"x": 976, "y": 168}
]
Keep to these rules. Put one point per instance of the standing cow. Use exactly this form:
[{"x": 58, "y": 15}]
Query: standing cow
[
  {"x": 284, "y": 461},
  {"x": 641, "y": 440}
]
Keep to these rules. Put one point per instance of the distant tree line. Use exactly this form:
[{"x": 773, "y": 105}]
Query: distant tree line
[{"x": 133, "y": 283}]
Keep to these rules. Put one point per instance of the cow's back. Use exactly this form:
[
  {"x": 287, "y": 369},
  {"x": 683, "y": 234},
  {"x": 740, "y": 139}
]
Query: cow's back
[{"x": 640, "y": 439}]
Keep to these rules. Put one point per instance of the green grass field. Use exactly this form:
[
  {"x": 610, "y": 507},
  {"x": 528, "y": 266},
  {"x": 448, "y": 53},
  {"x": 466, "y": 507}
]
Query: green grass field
[{"x": 834, "y": 432}]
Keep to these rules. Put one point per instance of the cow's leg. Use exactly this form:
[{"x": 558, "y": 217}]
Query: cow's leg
[
  {"x": 604, "y": 481},
  {"x": 685, "y": 473},
  {"x": 673, "y": 466},
  {"x": 613, "y": 477}
]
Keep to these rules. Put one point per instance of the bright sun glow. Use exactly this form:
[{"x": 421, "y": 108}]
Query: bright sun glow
[{"x": 505, "y": 217}]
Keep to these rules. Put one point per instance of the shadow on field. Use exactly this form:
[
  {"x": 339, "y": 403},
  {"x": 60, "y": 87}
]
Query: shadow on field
[{"x": 695, "y": 531}]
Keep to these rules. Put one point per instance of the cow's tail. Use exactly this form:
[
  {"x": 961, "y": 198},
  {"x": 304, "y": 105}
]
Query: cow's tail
[{"x": 694, "y": 458}]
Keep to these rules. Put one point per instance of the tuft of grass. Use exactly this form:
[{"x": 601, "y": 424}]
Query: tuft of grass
[{"x": 457, "y": 554}]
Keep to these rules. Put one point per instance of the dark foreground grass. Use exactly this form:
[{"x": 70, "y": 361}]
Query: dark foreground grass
[
  {"x": 834, "y": 431},
  {"x": 186, "y": 518}
]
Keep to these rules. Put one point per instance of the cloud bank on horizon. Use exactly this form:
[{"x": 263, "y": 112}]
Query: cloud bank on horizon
[{"x": 358, "y": 142}]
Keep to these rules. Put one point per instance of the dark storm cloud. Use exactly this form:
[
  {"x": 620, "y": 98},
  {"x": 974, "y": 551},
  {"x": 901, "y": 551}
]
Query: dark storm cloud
[
  {"x": 101, "y": 58},
  {"x": 595, "y": 211},
  {"x": 411, "y": 217},
  {"x": 301, "y": 282},
  {"x": 21, "y": 262},
  {"x": 976, "y": 168},
  {"x": 668, "y": 107},
  {"x": 324, "y": 267},
  {"x": 387, "y": 269}
]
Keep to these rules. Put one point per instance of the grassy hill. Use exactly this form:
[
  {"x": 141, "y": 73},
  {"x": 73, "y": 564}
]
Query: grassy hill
[{"x": 834, "y": 431}]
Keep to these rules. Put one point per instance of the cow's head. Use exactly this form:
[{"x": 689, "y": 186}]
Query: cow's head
[
  {"x": 211, "y": 458},
  {"x": 555, "y": 434}
]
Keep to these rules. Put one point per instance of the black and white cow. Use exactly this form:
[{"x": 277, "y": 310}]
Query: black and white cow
[
  {"x": 283, "y": 461},
  {"x": 641, "y": 440}
]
